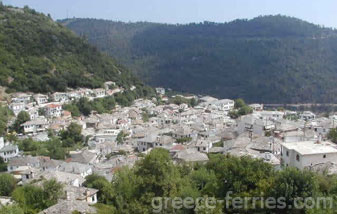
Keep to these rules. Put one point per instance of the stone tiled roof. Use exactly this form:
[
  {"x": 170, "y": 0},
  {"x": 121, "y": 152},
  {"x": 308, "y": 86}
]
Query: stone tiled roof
[{"x": 68, "y": 207}]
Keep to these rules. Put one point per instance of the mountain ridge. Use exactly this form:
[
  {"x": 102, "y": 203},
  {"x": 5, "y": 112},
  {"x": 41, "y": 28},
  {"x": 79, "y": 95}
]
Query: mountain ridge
[
  {"x": 41, "y": 55},
  {"x": 267, "y": 59}
]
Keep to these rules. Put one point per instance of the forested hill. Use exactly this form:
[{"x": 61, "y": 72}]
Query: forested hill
[
  {"x": 40, "y": 55},
  {"x": 271, "y": 59}
]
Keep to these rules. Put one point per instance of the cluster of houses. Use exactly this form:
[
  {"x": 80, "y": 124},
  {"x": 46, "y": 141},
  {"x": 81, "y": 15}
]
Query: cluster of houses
[{"x": 189, "y": 134}]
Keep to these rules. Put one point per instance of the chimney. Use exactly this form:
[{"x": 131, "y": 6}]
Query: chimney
[
  {"x": 68, "y": 196},
  {"x": 319, "y": 138}
]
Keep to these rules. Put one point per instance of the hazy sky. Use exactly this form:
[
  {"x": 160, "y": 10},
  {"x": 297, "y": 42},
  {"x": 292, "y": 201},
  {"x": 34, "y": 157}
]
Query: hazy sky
[{"x": 323, "y": 12}]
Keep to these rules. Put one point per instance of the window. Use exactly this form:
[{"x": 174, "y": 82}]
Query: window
[
  {"x": 287, "y": 153},
  {"x": 297, "y": 157},
  {"x": 324, "y": 156}
]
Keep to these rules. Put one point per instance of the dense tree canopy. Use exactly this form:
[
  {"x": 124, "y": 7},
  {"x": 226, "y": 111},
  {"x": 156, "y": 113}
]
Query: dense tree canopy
[
  {"x": 5, "y": 114},
  {"x": 40, "y": 55},
  {"x": 33, "y": 199},
  {"x": 7, "y": 184},
  {"x": 22, "y": 117},
  {"x": 270, "y": 59},
  {"x": 133, "y": 190}
]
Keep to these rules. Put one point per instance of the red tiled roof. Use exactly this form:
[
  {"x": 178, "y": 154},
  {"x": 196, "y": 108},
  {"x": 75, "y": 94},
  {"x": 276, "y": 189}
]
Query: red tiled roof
[
  {"x": 53, "y": 106},
  {"x": 178, "y": 148}
]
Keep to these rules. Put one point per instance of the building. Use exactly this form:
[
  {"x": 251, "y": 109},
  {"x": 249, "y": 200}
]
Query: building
[
  {"x": 17, "y": 163},
  {"x": 203, "y": 145},
  {"x": 99, "y": 92},
  {"x": 41, "y": 99},
  {"x": 8, "y": 151},
  {"x": 307, "y": 154},
  {"x": 154, "y": 141},
  {"x": 76, "y": 168},
  {"x": 160, "y": 91},
  {"x": 34, "y": 126},
  {"x": 307, "y": 115},
  {"x": 17, "y": 107},
  {"x": 214, "y": 104},
  {"x": 254, "y": 124},
  {"x": 70, "y": 207},
  {"x": 53, "y": 110},
  {"x": 271, "y": 115},
  {"x": 85, "y": 157},
  {"x": 60, "y": 97},
  {"x": 190, "y": 156},
  {"x": 84, "y": 194},
  {"x": 21, "y": 98},
  {"x": 256, "y": 107}
]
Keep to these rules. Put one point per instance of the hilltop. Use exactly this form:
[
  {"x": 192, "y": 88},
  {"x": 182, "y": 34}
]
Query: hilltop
[
  {"x": 270, "y": 59},
  {"x": 40, "y": 55}
]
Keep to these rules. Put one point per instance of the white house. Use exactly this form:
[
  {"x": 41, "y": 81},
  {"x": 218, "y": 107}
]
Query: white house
[
  {"x": 154, "y": 141},
  {"x": 253, "y": 123},
  {"x": 34, "y": 126},
  {"x": 99, "y": 92},
  {"x": 307, "y": 115},
  {"x": 60, "y": 97},
  {"x": 17, "y": 108},
  {"x": 203, "y": 145},
  {"x": 8, "y": 151},
  {"x": 256, "y": 107},
  {"x": 21, "y": 98},
  {"x": 53, "y": 110},
  {"x": 33, "y": 113},
  {"x": 271, "y": 115},
  {"x": 215, "y": 104},
  {"x": 307, "y": 154},
  {"x": 160, "y": 91},
  {"x": 41, "y": 98},
  {"x": 84, "y": 194}
]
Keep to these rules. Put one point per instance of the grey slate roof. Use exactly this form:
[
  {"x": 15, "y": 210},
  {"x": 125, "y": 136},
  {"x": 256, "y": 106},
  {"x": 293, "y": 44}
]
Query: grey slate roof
[
  {"x": 191, "y": 155},
  {"x": 68, "y": 207},
  {"x": 9, "y": 148},
  {"x": 84, "y": 157}
]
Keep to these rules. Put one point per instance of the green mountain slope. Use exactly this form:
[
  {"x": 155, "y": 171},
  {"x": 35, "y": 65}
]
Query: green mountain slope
[
  {"x": 40, "y": 55},
  {"x": 271, "y": 59}
]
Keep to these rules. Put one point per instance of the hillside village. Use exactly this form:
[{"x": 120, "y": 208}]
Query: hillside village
[{"x": 123, "y": 136}]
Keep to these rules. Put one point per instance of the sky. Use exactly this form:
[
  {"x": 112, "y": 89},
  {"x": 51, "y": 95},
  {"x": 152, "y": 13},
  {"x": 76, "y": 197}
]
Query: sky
[{"x": 322, "y": 12}]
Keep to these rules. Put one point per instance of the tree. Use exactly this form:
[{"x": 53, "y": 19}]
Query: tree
[
  {"x": 84, "y": 106},
  {"x": 205, "y": 181},
  {"x": 3, "y": 165},
  {"x": 22, "y": 117},
  {"x": 11, "y": 209},
  {"x": 72, "y": 135},
  {"x": 33, "y": 199},
  {"x": 5, "y": 114},
  {"x": 121, "y": 137},
  {"x": 193, "y": 102},
  {"x": 106, "y": 193},
  {"x": 52, "y": 192},
  {"x": 332, "y": 135},
  {"x": 244, "y": 110},
  {"x": 240, "y": 175},
  {"x": 292, "y": 183},
  {"x": 158, "y": 174},
  {"x": 239, "y": 103},
  {"x": 30, "y": 198},
  {"x": 55, "y": 149},
  {"x": 75, "y": 112},
  {"x": 7, "y": 184}
]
